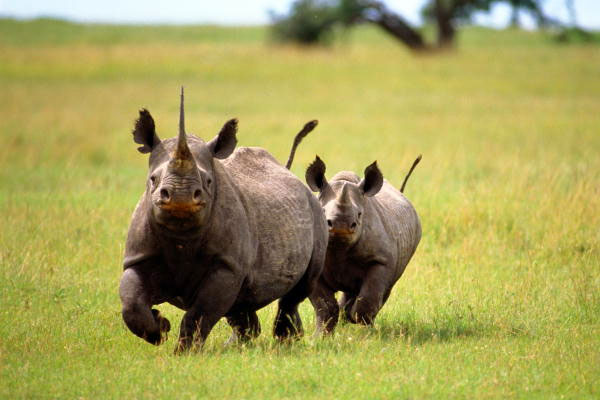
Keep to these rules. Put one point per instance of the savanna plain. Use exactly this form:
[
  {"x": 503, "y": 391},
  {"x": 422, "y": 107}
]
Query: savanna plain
[{"x": 502, "y": 298}]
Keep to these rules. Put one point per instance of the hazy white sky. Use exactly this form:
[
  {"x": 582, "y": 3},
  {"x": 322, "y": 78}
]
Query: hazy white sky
[{"x": 241, "y": 11}]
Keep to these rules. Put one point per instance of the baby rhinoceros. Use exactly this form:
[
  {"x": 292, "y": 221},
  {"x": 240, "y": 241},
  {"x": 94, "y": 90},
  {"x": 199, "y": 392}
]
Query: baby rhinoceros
[
  {"x": 373, "y": 233},
  {"x": 218, "y": 233}
]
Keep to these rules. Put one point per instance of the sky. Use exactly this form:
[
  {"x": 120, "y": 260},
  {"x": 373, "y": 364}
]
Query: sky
[{"x": 246, "y": 12}]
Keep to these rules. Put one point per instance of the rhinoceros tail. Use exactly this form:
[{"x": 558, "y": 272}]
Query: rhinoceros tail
[
  {"x": 410, "y": 172},
  {"x": 308, "y": 127}
]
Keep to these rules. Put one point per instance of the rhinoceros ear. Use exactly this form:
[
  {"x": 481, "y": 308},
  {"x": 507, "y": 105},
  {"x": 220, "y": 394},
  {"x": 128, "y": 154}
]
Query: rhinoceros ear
[
  {"x": 144, "y": 132},
  {"x": 224, "y": 143},
  {"x": 373, "y": 180},
  {"x": 315, "y": 175}
]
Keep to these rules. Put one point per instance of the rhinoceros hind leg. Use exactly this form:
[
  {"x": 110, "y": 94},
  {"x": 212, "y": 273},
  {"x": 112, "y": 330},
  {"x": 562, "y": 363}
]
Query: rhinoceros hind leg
[
  {"x": 288, "y": 324},
  {"x": 245, "y": 325}
]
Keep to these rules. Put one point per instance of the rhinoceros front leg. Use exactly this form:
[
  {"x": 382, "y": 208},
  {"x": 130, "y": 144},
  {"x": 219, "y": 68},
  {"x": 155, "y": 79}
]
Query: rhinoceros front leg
[
  {"x": 136, "y": 294},
  {"x": 346, "y": 303},
  {"x": 372, "y": 295},
  {"x": 215, "y": 297},
  {"x": 326, "y": 308}
]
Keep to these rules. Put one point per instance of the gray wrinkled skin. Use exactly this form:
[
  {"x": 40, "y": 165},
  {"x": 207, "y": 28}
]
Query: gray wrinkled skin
[
  {"x": 373, "y": 233},
  {"x": 218, "y": 233}
]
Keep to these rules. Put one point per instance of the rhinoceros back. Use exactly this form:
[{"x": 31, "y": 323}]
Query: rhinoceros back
[
  {"x": 280, "y": 215},
  {"x": 402, "y": 220}
]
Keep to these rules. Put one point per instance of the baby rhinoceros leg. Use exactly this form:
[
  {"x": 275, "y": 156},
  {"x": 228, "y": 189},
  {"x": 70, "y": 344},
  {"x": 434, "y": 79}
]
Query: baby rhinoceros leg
[
  {"x": 373, "y": 293},
  {"x": 346, "y": 303},
  {"x": 326, "y": 308}
]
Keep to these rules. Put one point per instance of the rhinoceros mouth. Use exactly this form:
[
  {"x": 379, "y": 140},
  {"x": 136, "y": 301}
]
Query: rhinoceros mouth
[
  {"x": 341, "y": 232},
  {"x": 182, "y": 210}
]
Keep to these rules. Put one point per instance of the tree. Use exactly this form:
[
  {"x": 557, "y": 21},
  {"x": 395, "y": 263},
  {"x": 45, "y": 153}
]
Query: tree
[
  {"x": 309, "y": 22},
  {"x": 572, "y": 32},
  {"x": 372, "y": 11},
  {"x": 312, "y": 21},
  {"x": 447, "y": 13},
  {"x": 533, "y": 7}
]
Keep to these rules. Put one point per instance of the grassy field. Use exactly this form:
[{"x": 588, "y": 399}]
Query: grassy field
[{"x": 502, "y": 298}]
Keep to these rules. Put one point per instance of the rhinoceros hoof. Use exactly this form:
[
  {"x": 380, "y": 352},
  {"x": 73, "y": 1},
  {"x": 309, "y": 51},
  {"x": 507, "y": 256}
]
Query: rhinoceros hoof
[
  {"x": 164, "y": 326},
  {"x": 163, "y": 323}
]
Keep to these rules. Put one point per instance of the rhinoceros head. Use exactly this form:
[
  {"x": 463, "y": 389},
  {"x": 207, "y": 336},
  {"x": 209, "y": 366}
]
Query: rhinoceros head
[
  {"x": 181, "y": 179},
  {"x": 343, "y": 200}
]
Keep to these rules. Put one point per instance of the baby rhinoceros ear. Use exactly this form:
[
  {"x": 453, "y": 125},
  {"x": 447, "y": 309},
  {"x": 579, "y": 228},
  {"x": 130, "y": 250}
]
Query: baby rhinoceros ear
[
  {"x": 373, "y": 180},
  {"x": 144, "y": 132},
  {"x": 315, "y": 175},
  {"x": 224, "y": 143}
]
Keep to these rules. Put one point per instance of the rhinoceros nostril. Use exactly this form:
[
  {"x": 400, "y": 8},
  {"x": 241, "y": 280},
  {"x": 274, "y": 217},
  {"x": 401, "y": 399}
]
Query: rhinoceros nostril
[
  {"x": 197, "y": 196},
  {"x": 353, "y": 226},
  {"x": 329, "y": 223},
  {"x": 165, "y": 196}
]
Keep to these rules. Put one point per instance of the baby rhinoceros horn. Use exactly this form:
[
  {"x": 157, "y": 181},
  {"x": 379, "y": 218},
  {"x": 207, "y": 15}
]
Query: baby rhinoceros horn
[{"x": 344, "y": 197}]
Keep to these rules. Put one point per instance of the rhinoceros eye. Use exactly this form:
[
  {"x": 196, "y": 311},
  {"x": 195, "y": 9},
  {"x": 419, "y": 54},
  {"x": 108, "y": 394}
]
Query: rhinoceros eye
[
  {"x": 153, "y": 180},
  {"x": 359, "y": 214}
]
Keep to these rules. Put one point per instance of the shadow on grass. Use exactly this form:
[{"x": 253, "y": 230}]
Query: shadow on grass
[{"x": 445, "y": 325}]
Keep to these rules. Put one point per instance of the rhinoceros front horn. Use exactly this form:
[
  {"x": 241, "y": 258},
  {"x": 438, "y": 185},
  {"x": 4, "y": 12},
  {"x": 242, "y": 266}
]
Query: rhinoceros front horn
[
  {"x": 344, "y": 197},
  {"x": 182, "y": 158}
]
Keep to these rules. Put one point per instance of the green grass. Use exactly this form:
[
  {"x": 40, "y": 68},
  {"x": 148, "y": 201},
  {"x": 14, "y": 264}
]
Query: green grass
[{"x": 502, "y": 298}]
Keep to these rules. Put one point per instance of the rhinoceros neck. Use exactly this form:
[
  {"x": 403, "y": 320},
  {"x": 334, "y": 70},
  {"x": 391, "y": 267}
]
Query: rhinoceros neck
[{"x": 178, "y": 236}]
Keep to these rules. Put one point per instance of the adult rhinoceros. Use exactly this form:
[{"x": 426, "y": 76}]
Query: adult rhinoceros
[{"x": 218, "y": 233}]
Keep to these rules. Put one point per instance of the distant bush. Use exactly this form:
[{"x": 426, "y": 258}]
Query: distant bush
[
  {"x": 577, "y": 35},
  {"x": 309, "y": 22}
]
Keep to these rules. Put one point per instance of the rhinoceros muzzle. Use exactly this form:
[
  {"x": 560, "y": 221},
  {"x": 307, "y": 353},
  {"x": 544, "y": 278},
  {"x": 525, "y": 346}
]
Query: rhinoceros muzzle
[
  {"x": 341, "y": 232},
  {"x": 182, "y": 210},
  {"x": 340, "y": 227}
]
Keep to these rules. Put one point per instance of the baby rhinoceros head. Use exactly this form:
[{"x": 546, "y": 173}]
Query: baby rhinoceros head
[
  {"x": 343, "y": 200},
  {"x": 181, "y": 179}
]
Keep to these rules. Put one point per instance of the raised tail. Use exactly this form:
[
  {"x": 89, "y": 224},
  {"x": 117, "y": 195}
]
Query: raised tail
[
  {"x": 410, "y": 172},
  {"x": 308, "y": 127}
]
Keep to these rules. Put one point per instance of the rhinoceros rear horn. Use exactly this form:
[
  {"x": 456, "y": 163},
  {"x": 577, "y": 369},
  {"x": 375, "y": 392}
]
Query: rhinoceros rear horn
[{"x": 182, "y": 151}]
